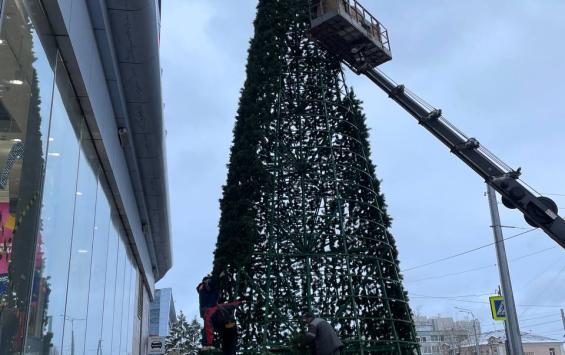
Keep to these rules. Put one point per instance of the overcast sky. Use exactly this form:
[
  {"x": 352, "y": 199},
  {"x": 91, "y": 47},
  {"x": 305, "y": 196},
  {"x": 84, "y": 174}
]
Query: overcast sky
[{"x": 496, "y": 68}]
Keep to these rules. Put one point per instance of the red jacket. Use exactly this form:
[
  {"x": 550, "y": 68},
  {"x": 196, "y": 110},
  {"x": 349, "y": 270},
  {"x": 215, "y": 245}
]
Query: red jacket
[{"x": 208, "y": 323}]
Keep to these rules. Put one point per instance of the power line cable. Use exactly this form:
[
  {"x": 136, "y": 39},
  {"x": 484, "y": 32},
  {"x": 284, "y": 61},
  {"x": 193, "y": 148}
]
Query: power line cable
[
  {"x": 536, "y": 275},
  {"x": 562, "y": 195},
  {"x": 534, "y": 253},
  {"x": 538, "y": 324},
  {"x": 483, "y": 302},
  {"x": 470, "y": 301},
  {"x": 552, "y": 332},
  {"x": 538, "y": 317},
  {"x": 543, "y": 289},
  {"x": 466, "y": 252},
  {"x": 462, "y": 296},
  {"x": 556, "y": 331},
  {"x": 452, "y": 274},
  {"x": 479, "y": 267}
]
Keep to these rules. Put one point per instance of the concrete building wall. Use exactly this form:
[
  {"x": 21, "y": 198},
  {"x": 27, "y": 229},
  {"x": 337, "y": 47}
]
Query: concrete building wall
[
  {"x": 440, "y": 335},
  {"x": 543, "y": 349},
  {"x": 529, "y": 349}
]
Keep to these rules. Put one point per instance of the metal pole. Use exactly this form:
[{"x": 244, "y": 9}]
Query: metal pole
[
  {"x": 477, "y": 348},
  {"x": 72, "y": 339},
  {"x": 475, "y": 320},
  {"x": 563, "y": 318},
  {"x": 513, "y": 333}
]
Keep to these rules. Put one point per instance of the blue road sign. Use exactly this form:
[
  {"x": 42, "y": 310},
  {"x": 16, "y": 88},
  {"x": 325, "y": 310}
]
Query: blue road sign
[{"x": 497, "y": 308}]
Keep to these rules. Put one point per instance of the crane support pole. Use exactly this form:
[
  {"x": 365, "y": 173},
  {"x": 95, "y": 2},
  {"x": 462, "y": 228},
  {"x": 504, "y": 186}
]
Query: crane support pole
[
  {"x": 503, "y": 179},
  {"x": 513, "y": 328}
]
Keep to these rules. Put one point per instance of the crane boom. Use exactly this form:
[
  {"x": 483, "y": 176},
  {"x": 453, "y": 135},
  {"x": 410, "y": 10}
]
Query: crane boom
[
  {"x": 346, "y": 29},
  {"x": 539, "y": 211}
]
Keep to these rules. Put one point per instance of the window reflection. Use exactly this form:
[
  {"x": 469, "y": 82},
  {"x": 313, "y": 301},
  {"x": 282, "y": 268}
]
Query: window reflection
[
  {"x": 57, "y": 224},
  {"x": 110, "y": 289},
  {"x": 98, "y": 279},
  {"x": 85, "y": 214},
  {"x": 126, "y": 309},
  {"x": 26, "y": 82},
  {"x": 118, "y": 299},
  {"x": 132, "y": 307},
  {"x": 128, "y": 324}
]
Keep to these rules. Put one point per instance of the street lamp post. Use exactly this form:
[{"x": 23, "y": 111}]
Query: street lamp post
[
  {"x": 464, "y": 310},
  {"x": 72, "y": 320}
]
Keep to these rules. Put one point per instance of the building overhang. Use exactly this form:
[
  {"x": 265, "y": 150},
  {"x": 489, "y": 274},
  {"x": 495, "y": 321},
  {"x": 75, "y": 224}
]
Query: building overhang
[
  {"x": 134, "y": 29},
  {"x": 111, "y": 51}
]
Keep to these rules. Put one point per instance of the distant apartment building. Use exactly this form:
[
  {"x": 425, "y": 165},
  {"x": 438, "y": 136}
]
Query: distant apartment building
[
  {"x": 162, "y": 314},
  {"x": 443, "y": 335},
  {"x": 494, "y": 343}
]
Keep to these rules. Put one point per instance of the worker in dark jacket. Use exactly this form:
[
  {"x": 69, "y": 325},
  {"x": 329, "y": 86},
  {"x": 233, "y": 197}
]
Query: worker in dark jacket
[
  {"x": 221, "y": 318},
  {"x": 322, "y": 335},
  {"x": 208, "y": 297}
]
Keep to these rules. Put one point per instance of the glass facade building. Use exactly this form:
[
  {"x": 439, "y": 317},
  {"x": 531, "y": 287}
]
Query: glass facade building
[
  {"x": 83, "y": 236},
  {"x": 162, "y": 314}
]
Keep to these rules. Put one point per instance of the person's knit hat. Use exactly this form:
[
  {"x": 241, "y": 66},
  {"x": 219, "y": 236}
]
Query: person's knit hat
[{"x": 308, "y": 314}]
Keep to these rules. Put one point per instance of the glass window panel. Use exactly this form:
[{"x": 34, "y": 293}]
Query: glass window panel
[
  {"x": 81, "y": 248},
  {"x": 118, "y": 298},
  {"x": 120, "y": 331},
  {"x": 26, "y": 90},
  {"x": 98, "y": 271},
  {"x": 83, "y": 294},
  {"x": 110, "y": 288},
  {"x": 45, "y": 326},
  {"x": 132, "y": 310},
  {"x": 124, "y": 338}
]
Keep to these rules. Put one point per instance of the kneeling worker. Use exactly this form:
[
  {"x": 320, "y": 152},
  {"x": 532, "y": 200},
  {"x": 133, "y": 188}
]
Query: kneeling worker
[{"x": 322, "y": 335}]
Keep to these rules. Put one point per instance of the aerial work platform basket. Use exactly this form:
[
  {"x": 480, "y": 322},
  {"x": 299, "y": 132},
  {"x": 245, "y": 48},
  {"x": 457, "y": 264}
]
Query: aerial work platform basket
[{"x": 345, "y": 28}]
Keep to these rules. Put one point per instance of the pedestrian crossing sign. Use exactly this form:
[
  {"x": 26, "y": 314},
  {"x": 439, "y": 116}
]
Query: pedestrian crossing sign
[{"x": 497, "y": 308}]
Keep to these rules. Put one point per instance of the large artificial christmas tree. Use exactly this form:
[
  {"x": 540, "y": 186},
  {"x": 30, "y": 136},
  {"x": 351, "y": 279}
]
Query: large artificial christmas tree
[{"x": 303, "y": 223}]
